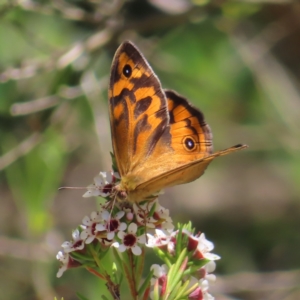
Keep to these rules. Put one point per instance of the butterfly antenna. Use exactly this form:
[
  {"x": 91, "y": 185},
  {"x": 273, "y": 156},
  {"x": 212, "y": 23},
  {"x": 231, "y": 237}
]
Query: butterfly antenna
[{"x": 72, "y": 188}]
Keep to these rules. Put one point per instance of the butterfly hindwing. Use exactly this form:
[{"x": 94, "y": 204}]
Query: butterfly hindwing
[
  {"x": 184, "y": 164},
  {"x": 191, "y": 136}
]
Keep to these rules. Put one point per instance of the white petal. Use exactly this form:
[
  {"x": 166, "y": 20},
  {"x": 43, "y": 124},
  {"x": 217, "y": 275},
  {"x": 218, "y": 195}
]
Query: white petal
[
  {"x": 115, "y": 244},
  {"x": 86, "y": 221},
  {"x": 132, "y": 228},
  {"x": 210, "y": 266},
  {"x": 100, "y": 227},
  {"x": 110, "y": 235},
  {"x": 61, "y": 256},
  {"x": 105, "y": 215},
  {"x": 156, "y": 270},
  {"x": 136, "y": 250},
  {"x": 211, "y": 256},
  {"x": 100, "y": 179},
  {"x": 211, "y": 277},
  {"x": 84, "y": 235},
  {"x": 109, "y": 177},
  {"x": 122, "y": 226},
  {"x": 151, "y": 241},
  {"x": 94, "y": 215},
  {"x": 66, "y": 244},
  {"x": 121, "y": 235},
  {"x": 142, "y": 239},
  {"x": 75, "y": 234},
  {"x": 61, "y": 270},
  {"x": 89, "y": 239},
  {"x": 119, "y": 214},
  {"x": 87, "y": 194},
  {"x": 122, "y": 248}
]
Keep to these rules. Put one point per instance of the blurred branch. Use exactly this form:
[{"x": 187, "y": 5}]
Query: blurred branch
[
  {"x": 112, "y": 28},
  {"x": 100, "y": 11},
  {"x": 269, "y": 72},
  {"x": 22, "y": 149},
  {"x": 25, "y": 250},
  {"x": 258, "y": 282},
  {"x": 65, "y": 9},
  {"x": 93, "y": 43},
  {"x": 25, "y": 108},
  {"x": 33, "y": 106}
]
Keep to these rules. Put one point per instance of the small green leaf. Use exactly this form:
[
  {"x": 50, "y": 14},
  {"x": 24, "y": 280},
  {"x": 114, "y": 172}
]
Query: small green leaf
[
  {"x": 176, "y": 272},
  {"x": 182, "y": 290},
  {"x": 139, "y": 266},
  {"x": 156, "y": 291},
  {"x": 114, "y": 162},
  {"x": 81, "y": 297},
  {"x": 146, "y": 283}
]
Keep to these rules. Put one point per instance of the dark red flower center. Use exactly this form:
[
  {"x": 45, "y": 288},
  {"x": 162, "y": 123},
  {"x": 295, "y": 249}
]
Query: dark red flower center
[
  {"x": 129, "y": 240},
  {"x": 77, "y": 244},
  {"x": 93, "y": 228},
  {"x": 112, "y": 225},
  {"x": 107, "y": 188}
]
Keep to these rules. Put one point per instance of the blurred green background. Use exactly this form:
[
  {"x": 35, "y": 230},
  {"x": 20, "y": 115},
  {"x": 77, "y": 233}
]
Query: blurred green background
[{"x": 238, "y": 61}]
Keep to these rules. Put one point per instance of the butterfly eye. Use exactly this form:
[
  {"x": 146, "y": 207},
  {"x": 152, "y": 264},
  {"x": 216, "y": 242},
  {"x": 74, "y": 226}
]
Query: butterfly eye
[
  {"x": 189, "y": 143},
  {"x": 127, "y": 71}
]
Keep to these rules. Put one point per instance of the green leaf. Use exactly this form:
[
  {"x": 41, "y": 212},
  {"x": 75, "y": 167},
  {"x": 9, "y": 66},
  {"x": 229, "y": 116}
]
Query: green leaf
[
  {"x": 139, "y": 266},
  {"x": 117, "y": 257},
  {"x": 114, "y": 162},
  {"x": 146, "y": 283},
  {"x": 175, "y": 273},
  {"x": 182, "y": 290},
  {"x": 81, "y": 297}
]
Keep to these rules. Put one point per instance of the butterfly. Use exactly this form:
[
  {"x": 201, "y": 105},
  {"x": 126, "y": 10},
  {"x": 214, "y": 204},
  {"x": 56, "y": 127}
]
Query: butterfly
[{"x": 159, "y": 139}]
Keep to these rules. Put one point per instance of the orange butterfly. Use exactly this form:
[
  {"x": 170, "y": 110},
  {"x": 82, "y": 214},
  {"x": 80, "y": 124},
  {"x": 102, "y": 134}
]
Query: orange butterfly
[{"x": 159, "y": 139}]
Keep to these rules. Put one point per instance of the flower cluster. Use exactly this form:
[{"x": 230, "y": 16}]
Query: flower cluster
[
  {"x": 129, "y": 228},
  {"x": 197, "y": 263}
]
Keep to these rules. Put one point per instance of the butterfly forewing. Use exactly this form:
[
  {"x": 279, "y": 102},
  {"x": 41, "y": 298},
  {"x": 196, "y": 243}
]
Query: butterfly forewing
[{"x": 138, "y": 108}]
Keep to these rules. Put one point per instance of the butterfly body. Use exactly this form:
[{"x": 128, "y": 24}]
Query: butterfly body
[{"x": 159, "y": 138}]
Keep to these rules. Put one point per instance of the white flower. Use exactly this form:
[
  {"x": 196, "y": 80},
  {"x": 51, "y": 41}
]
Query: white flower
[
  {"x": 201, "y": 292},
  {"x": 205, "y": 246},
  {"x": 130, "y": 240},
  {"x": 89, "y": 232},
  {"x": 102, "y": 186},
  {"x": 64, "y": 260},
  {"x": 162, "y": 214},
  {"x": 111, "y": 225},
  {"x": 159, "y": 272},
  {"x": 76, "y": 244},
  {"x": 160, "y": 239},
  {"x": 204, "y": 285},
  {"x": 159, "y": 219}
]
